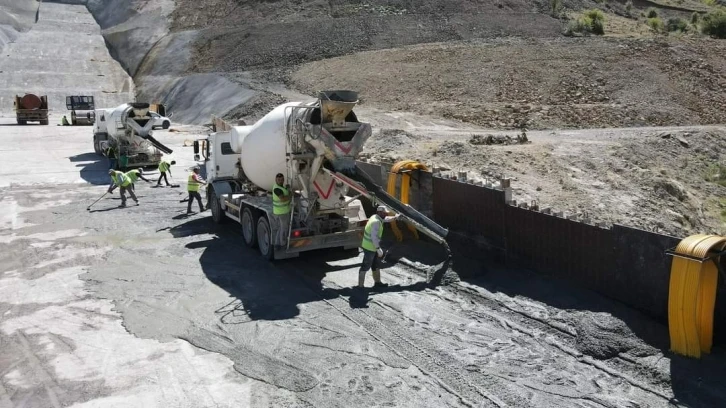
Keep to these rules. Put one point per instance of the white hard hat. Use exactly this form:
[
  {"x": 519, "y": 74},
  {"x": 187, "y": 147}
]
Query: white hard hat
[{"x": 382, "y": 208}]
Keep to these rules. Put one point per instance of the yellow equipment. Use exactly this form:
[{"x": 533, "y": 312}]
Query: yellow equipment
[
  {"x": 403, "y": 168},
  {"x": 692, "y": 293}
]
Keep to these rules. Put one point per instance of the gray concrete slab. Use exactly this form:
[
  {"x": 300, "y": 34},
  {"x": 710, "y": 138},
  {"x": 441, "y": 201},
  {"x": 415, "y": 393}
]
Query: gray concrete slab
[
  {"x": 62, "y": 54},
  {"x": 145, "y": 306}
]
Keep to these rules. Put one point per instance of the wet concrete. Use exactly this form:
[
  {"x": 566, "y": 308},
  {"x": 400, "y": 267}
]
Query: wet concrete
[{"x": 144, "y": 306}]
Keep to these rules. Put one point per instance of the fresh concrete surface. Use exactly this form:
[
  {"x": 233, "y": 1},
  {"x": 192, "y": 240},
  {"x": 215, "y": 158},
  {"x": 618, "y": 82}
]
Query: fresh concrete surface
[
  {"x": 62, "y": 54},
  {"x": 145, "y": 306}
]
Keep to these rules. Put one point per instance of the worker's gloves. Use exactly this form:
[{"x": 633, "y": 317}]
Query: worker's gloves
[
  {"x": 397, "y": 216},
  {"x": 380, "y": 252}
]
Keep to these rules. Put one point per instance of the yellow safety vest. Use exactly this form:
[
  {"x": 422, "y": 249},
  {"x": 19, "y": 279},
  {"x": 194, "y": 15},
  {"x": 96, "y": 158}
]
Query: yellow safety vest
[
  {"x": 133, "y": 175},
  {"x": 367, "y": 239},
  {"x": 120, "y": 179},
  {"x": 280, "y": 207},
  {"x": 192, "y": 185},
  {"x": 163, "y": 167}
]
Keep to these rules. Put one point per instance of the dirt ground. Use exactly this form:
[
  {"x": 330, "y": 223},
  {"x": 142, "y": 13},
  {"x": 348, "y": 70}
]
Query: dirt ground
[
  {"x": 667, "y": 180},
  {"x": 539, "y": 84}
]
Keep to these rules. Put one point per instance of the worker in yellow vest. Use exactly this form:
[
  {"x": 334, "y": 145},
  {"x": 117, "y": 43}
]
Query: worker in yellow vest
[
  {"x": 122, "y": 181},
  {"x": 134, "y": 175},
  {"x": 193, "y": 183},
  {"x": 371, "y": 245},
  {"x": 164, "y": 167},
  {"x": 281, "y": 208}
]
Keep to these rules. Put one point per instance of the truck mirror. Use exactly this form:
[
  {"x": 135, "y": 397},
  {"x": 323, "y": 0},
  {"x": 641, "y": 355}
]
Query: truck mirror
[{"x": 196, "y": 148}]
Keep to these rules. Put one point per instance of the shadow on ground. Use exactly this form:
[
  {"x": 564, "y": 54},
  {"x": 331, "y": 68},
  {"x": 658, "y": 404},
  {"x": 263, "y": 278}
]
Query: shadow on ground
[
  {"x": 94, "y": 168},
  {"x": 267, "y": 290}
]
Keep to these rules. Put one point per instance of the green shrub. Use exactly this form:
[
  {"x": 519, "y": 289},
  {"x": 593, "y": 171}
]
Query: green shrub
[
  {"x": 629, "y": 6},
  {"x": 714, "y": 23},
  {"x": 591, "y": 22},
  {"x": 656, "y": 24},
  {"x": 716, "y": 173},
  {"x": 677, "y": 24},
  {"x": 651, "y": 13},
  {"x": 555, "y": 7},
  {"x": 695, "y": 17},
  {"x": 597, "y": 21}
]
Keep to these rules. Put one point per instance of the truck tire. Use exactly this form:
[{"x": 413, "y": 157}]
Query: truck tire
[
  {"x": 44, "y": 122},
  {"x": 216, "y": 207},
  {"x": 22, "y": 122},
  {"x": 264, "y": 238},
  {"x": 166, "y": 124},
  {"x": 249, "y": 227}
]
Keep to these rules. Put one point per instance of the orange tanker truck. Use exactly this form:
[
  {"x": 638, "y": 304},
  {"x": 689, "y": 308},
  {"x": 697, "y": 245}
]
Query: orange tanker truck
[{"x": 31, "y": 108}]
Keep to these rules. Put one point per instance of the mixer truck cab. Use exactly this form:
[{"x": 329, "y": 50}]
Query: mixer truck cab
[{"x": 312, "y": 144}]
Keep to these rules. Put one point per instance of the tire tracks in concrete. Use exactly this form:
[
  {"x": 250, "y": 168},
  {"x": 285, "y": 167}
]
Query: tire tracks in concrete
[
  {"x": 544, "y": 326},
  {"x": 454, "y": 377}
]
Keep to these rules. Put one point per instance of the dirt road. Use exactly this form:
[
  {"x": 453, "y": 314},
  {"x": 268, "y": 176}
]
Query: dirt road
[{"x": 146, "y": 306}]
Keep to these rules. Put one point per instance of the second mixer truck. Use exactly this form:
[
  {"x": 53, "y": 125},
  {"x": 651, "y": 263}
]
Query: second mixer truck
[
  {"x": 314, "y": 145},
  {"x": 127, "y": 128}
]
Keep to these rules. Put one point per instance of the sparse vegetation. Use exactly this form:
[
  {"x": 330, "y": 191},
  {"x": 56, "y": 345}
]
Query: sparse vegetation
[
  {"x": 629, "y": 6},
  {"x": 714, "y": 23},
  {"x": 656, "y": 24},
  {"x": 677, "y": 24},
  {"x": 591, "y": 22},
  {"x": 651, "y": 13},
  {"x": 711, "y": 3},
  {"x": 695, "y": 18},
  {"x": 716, "y": 173},
  {"x": 555, "y": 7}
]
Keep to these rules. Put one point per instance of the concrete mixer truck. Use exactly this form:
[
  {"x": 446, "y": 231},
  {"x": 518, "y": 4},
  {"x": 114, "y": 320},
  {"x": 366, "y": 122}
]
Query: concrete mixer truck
[
  {"x": 127, "y": 128},
  {"x": 314, "y": 145}
]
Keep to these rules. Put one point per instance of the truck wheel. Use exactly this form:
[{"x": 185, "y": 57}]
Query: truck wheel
[
  {"x": 22, "y": 122},
  {"x": 249, "y": 228},
  {"x": 44, "y": 122},
  {"x": 216, "y": 208},
  {"x": 166, "y": 124},
  {"x": 264, "y": 238}
]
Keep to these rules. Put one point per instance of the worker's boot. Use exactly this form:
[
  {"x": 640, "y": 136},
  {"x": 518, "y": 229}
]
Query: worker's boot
[
  {"x": 377, "y": 279},
  {"x": 361, "y": 279}
]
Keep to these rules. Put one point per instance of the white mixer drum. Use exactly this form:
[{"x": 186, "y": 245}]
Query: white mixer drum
[{"x": 263, "y": 147}]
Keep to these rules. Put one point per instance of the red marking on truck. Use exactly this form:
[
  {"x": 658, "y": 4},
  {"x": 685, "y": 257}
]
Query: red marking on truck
[
  {"x": 343, "y": 148},
  {"x": 330, "y": 189}
]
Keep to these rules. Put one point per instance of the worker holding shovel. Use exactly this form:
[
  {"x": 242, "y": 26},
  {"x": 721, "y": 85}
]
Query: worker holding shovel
[
  {"x": 123, "y": 182},
  {"x": 134, "y": 175},
  {"x": 164, "y": 167}
]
